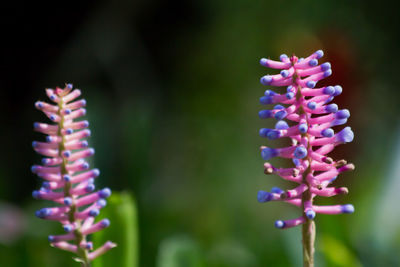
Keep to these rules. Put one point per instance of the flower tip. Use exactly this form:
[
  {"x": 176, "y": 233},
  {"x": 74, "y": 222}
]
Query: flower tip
[
  {"x": 268, "y": 153},
  {"x": 263, "y": 196},
  {"x": 105, "y": 223},
  {"x": 345, "y": 136},
  {"x": 342, "y": 114},
  {"x": 285, "y": 73},
  {"x": 90, "y": 188},
  {"x": 283, "y": 57},
  {"x": 66, "y": 154},
  {"x": 279, "y": 224},
  {"x": 319, "y": 54},
  {"x": 96, "y": 172},
  {"x": 325, "y": 66},
  {"x": 67, "y": 228},
  {"x": 327, "y": 73},
  {"x": 51, "y": 238},
  {"x": 338, "y": 90},
  {"x": 327, "y": 132},
  {"x": 68, "y": 201},
  {"x": 265, "y": 100},
  {"x": 281, "y": 125},
  {"x": 36, "y": 194},
  {"x": 300, "y": 152},
  {"x": 35, "y": 125},
  {"x": 105, "y": 192},
  {"x": 66, "y": 178},
  {"x": 311, "y": 84},
  {"x": 69, "y": 86},
  {"x": 266, "y": 80},
  {"x": 312, "y": 105},
  {"x": 303, "y": 128},
  {"x": 34, "y": 168},
  {"x": 310, "y": 214},
  {"x": 348, "y": 208},
  {"x": 264, "y": 62},
  {"x": 102, "y": 202},
  {"x": 331, "y": 108},
  {"x": 264, "y": 114},
  {"x": 94, "y": 212},
  {"x": 289, "y": 95},
  {"x": 329, "y": 90},
  {"x": 313, "y": 62},
  {"x": 43, "y": 213}
]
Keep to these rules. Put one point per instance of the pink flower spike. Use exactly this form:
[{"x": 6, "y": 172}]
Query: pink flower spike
[
  {"x": 69, "y": 181},
  {"x": 313, "y": 134}
]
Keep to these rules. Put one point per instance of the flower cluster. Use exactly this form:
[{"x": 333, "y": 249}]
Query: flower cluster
[
  {"x": 68, "y": 179},
  {"x": 310, "y": 118}
]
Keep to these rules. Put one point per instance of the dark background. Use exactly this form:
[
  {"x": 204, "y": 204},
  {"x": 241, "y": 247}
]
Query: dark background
[{"x": 172, "y": 90}]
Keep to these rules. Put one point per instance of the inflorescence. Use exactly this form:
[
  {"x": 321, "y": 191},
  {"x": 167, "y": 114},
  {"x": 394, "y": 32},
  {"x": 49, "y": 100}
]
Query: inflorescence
[
  {"x": 68, "y": 180},
  {"x": 308, "y": 109}
]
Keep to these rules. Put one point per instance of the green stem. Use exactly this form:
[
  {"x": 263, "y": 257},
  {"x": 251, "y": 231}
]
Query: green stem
[{"x": 79, "y": 238}]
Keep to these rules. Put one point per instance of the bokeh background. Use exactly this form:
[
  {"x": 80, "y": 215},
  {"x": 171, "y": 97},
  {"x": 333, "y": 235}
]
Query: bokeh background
[{"x": 172, "y": 90}]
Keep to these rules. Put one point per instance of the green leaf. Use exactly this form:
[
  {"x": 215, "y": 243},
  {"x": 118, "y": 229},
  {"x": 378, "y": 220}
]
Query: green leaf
[{"x": 121, "y": 211}]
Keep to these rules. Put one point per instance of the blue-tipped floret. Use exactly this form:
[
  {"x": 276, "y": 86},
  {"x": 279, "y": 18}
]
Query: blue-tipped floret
[
  {"x": 289, "y": 88},
  {"x": 284, "y": 73},
  {"x": 327, "y": 132},
  {"x": 263, "y": 196},
  {"x": 303, "y": 128},
  {"x": 43, "y": 213},
  {"x": 312, "y": 105},
  {"x": 46, "y": 185},
  {"x": 52, "y": 117},
  {"x": 84, "y": 144},
  {"x": 66, "y": 178},
  {"x": 67, "y": 111},
  {"x": 96, "y": 172},
  {"x": 266, "y": 100},
  {"x": 327, "y": 73},
  {"x": 264, "y": 62},
  {"x": 338, "y": 122},
  {"x": 105, "y": 223},
  {"x": 329, "y": 90},
  {"x": 279, "y": 107},
  {"x": 313, "y": 62},
  {"x": 289, "y": 95},
  {"x": 325, "y": 66},
  {"x": 281, "y": 125},
  {"x": 69, "y": 86},
  {"x": 51, "y": 238},
  {"x": 279, "y": 224},
  {"x": 49, "y": 139},
  {"x": 338, "y": 90},
  {"x": 273, "y": 134},
  {"x": 265, "y": 113},
  {"x": 310, "y": 214},
  {"x": 68, "y": 201},
  {"x": 264, "y": 131},
  {"x": 300, "y": 152},
  {"x": 345, "y": 136},
  {"x": 266, "y": 80},
  {"x": 280, "y": 115},
  {"x": 68, "y": 228},
  {"x": 348, "y": 208},
  {"x": 69, "y": 131},
  {"x": 283, "y": 57},
  {"x": 268, "y": 153},
  {"x": 331, "y": 108},
  {"x": 311, "y": 84},
  {"x": 53, "y": 97},
  {"x": 296, "y": 162},
  {"x": 34, "y": 144},
  {"x": 342, "y": 114},
  {"x": 105, "y": 192},
  {"x": 90, "y": 188},
  {"x": 66, "y": 153},
  {"x": 319, "y": 54},
  {"x": 35, "y": 125},
  {"x": 94, "y": 212},
  {"x": 102, "y": 202},
  {"x": 34, "y": 168}
]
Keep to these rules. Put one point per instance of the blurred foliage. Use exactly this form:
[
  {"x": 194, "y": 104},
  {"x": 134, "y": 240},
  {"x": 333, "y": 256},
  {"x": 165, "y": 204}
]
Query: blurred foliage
[{"x": 172, "y": 91}]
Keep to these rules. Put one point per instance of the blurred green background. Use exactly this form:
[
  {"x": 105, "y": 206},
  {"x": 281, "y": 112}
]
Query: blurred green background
[{"x": 172, "y": 90}]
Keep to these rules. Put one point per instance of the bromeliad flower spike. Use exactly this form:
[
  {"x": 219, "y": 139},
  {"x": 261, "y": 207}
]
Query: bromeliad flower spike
[
  {"x": 68, "y": 180},
  {"x": 311, "y": 117}
]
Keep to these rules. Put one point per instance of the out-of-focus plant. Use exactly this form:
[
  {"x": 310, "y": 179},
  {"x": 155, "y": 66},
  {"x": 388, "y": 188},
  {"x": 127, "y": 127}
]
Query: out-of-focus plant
[
  {"x": 69, "y": 182},
  {"x": 310, "y": 119}
]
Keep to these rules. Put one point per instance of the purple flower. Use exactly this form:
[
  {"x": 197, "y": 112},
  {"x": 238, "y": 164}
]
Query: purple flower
[
  {"x": 68, "y": 179},
  {"x": 312, "y": 136}
]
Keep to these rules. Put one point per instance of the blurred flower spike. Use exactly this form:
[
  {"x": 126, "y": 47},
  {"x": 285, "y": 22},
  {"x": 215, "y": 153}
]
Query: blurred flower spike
[
  {"x": 68, "y": 179},
  {"x": 310, "y": 118}
]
